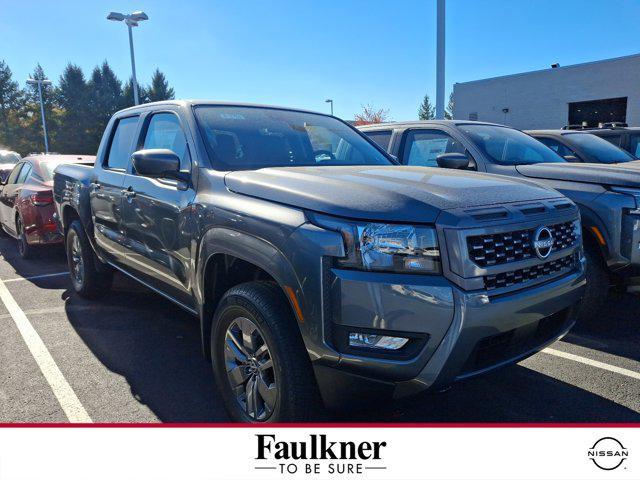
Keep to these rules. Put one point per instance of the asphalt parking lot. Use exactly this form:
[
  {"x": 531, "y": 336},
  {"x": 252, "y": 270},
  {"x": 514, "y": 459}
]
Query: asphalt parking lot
[{"x": 135, "y": 357}]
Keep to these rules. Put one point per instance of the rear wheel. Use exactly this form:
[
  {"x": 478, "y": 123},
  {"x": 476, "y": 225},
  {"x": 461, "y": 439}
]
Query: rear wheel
[
  {"x": 259, "y": 360},
  {"x": 24, "y": 249},
  {"x": 87, "y": 280}
]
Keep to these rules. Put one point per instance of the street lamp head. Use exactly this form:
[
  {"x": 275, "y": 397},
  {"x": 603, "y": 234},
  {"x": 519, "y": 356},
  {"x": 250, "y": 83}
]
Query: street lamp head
[
  {"x": 31, "y": 81},
  {"x": 116, "y": 16},
  {"x": 328, "y": 100},
  {"x": 139, "y": 16}
]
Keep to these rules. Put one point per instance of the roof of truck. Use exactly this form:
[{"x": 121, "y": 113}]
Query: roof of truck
[
  {"x": 194, "y": 102},
  {"x": 421, "y": 123}
]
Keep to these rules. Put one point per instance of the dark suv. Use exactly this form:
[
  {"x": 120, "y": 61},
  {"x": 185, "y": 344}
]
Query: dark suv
[
  {"x": 608, "y": 195},
  {"x": 318, "y": 268}
]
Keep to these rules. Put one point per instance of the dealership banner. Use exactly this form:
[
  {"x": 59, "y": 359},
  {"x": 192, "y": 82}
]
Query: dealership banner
[{"x": 319, "y": 452}]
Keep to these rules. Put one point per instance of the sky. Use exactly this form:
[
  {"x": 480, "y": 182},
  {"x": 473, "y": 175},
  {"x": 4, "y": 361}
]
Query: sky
[{"x": 298, "y": 53}]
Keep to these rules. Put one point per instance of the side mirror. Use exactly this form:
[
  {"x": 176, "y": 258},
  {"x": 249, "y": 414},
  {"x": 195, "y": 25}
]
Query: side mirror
[
  {"x": 156, "y": 162},
  {"x": 456, "y": 161},
  {"x": 571, "y": 158}
]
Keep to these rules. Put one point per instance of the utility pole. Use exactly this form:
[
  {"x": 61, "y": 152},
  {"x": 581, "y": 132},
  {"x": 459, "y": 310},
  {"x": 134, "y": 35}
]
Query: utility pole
[
  {"x": 40, "y": 82},
  {"x": 440, "y": 47}
]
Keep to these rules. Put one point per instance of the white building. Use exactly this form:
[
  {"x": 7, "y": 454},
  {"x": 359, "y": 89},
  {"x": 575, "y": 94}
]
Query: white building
[{"x": 594, "y": 92}]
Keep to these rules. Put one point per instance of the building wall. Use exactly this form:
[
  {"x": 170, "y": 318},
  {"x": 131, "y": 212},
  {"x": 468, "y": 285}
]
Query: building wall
[{"x": 540, "y": 99}]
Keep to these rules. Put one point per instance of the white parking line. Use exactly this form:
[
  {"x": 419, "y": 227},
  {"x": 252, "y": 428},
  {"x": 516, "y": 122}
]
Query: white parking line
[
  {"x": 35, "y": 277},
  {"x": 593, "y": 363},
  {"x": 67, "y": 398}
]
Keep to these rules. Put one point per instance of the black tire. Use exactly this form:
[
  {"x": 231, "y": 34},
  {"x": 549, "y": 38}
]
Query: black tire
[
  {"x": 598, "y": 283},
  {"x": 86, "y": 279},
  {"x": 266, "y": 308},
  {"x": 24, "y": 249}
]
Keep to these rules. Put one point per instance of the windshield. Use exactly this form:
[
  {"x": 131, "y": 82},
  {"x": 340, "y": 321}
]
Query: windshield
[
  {"x": 248, "y": 138},
  {"x": 508, "y": 146},
  {"x": 599, "y": 148},
  {"x": 9, "y": 157}
]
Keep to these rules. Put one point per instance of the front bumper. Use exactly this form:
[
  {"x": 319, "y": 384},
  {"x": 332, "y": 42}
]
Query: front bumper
[{"x": 466, "y": 333}]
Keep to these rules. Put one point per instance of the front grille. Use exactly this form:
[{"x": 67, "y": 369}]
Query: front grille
[
  {"x": 522, "y": 275},
  {"x": 500, "y": 248}
]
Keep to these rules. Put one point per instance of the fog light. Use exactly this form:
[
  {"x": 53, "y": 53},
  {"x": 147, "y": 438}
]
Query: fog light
[{"x": 368, "y": 340}]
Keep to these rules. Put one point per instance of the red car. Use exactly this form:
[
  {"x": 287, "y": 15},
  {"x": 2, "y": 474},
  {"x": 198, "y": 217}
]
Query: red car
[{"x": 26, "y": 201}]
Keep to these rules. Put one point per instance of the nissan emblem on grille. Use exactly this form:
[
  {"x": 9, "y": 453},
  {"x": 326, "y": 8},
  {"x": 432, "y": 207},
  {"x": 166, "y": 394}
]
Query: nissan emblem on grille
[{"x": 543, "y": 242}]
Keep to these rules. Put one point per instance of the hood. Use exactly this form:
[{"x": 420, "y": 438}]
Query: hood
[
  {"x": 601, "y": 174},
  {"x": 385, "y": 193}
]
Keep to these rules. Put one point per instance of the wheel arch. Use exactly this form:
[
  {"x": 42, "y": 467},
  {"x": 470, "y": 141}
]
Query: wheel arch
[{"x": 228, "y": 257}]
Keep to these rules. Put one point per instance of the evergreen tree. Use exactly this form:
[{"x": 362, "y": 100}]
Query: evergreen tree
[
  {"x": 426, "y": 111},
  {"x": 159, "y": 88},
  {"x": 105, "y": 98},
  {"x": 10, "y": 102},
  {"x": 127, "y": 95},
  {"x": 448, "y": 113},
  {"x": 73, "y": 99}
]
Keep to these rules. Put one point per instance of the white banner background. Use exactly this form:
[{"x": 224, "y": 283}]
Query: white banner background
[{"x": 229, "y": 453}]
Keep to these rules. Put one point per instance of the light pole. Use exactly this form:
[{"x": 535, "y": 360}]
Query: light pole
[
  {"x": 328, "y": 100},
  {"x": 40, "y": 82},
  {"x": 440, "y": 59},
  {"x": 132, "y": 21}
]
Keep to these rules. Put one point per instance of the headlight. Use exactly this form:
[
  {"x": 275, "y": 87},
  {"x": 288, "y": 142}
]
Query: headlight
[
  {"x": 634, "y": 192},
  {"x": 386, "y": 247}
]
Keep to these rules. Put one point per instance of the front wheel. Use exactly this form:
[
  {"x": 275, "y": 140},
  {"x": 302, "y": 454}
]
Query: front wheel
[
  {"x": 87, "y": 280},
  {"x": 259, "y": 360}
]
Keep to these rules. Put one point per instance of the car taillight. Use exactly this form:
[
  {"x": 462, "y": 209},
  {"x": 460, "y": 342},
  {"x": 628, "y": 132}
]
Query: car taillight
[{"x": 41, "y": 199}]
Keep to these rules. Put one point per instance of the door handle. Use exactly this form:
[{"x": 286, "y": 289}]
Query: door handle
[{"x": 128, "y": 193}]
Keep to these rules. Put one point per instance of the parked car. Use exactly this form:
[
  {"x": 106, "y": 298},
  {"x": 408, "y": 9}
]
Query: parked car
[
  {"x": 313, "y": 261},
  {"x": 26, "y": 201},
  {"x": 608, "y": 195},
  {"x": 8, "y": 160},
  {"x": 627, "y": 138},
  {"x": 579, "y": 146}
]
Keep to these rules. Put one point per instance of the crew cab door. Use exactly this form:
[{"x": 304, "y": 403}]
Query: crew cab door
[
  {"x": 106, "y": 190},
  {"x": 157, "y": 213}
]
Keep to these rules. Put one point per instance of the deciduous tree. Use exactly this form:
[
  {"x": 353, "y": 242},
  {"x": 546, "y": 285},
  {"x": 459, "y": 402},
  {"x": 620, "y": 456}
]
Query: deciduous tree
[{"x": 371, "y": 115}]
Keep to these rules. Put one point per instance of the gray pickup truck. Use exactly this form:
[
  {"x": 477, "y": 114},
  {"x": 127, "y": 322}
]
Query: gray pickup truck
[
  {"x": 319, "y": 270},
  {"x": 608, "y": 195}
]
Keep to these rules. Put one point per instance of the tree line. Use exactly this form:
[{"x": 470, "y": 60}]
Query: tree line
[{"x": 77, "y": 108}]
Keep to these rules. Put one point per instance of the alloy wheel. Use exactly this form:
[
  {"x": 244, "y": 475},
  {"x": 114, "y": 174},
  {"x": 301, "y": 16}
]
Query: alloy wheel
[
  {"x": 250, "y": 369},
  {"x": 21, "y": 239},
  {"x": 77, "y": 264}
]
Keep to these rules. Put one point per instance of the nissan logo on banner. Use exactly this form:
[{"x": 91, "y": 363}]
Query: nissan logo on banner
[{"x": 543, "y": 242}]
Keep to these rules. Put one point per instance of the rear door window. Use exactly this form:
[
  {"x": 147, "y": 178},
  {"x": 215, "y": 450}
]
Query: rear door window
[
  {"x": 121, "y": 146},
  {"x": 24, "y": 173},
  {"x": 381, "y": 137},
  {"x": 422, "y": 147}
]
